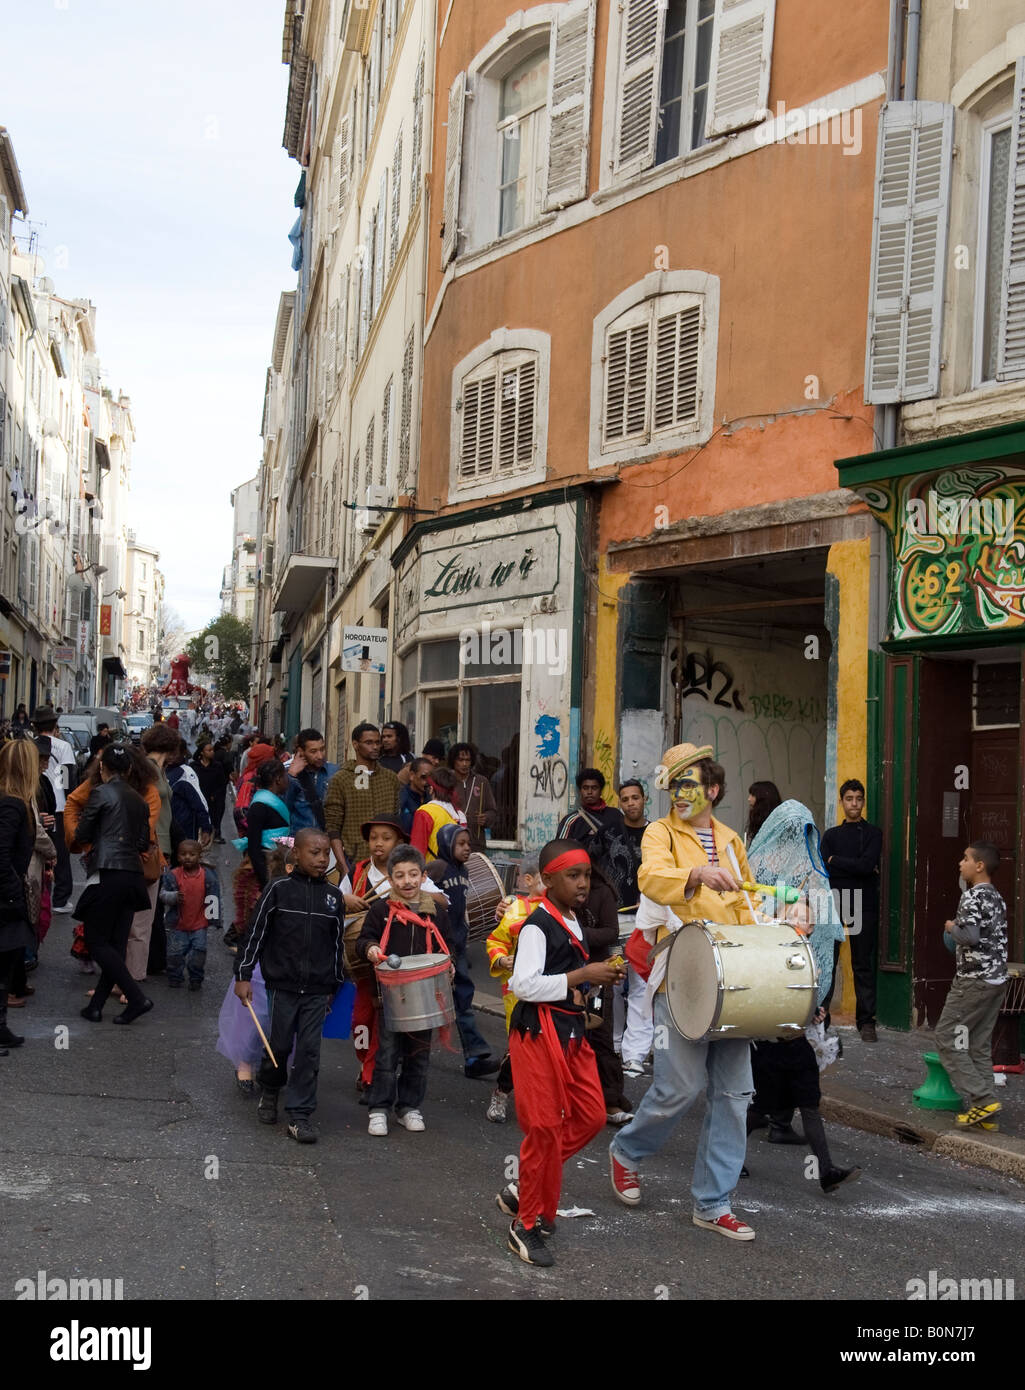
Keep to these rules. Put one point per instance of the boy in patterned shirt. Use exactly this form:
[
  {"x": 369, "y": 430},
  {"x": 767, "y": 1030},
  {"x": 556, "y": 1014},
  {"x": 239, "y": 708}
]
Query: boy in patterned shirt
[{"x": 979, "y": 932}]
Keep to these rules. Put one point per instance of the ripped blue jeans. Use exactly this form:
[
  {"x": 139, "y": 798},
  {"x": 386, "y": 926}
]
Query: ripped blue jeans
[{"x": 683, "y": 1069}]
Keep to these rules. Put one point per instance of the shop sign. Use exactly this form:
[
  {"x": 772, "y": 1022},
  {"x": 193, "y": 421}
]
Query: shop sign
[
  {"x": 494, "y": 568},
  {"x": 958, "y": 545},
  {"x": 365, "y": 649}
]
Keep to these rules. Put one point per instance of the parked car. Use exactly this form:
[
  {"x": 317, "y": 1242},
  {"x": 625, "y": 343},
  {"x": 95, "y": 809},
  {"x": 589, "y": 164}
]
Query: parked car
[
  {"x": 97, "y": 715},
  {"x": 137, "y": 723},
  {"x": 76, "y": 730}
]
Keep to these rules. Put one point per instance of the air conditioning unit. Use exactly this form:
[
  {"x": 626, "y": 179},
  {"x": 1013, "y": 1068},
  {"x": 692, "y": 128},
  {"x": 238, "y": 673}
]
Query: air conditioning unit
[{"x": 370, "y": 516}]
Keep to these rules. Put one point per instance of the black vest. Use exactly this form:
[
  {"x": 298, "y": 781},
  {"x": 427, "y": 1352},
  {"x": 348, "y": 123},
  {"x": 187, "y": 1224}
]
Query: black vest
[{"x": 561, "y": 956}]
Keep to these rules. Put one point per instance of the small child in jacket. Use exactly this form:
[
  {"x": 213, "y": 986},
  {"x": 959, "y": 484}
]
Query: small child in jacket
[
  {"x": 500, "y": 946},
  {"x": 408, "y": 923},
  {"x": 191, "y": 894},
  {"x": 979, "y": 932},
  {"x": 449, "y": 872},
  {"x": 297, "y": 937}
]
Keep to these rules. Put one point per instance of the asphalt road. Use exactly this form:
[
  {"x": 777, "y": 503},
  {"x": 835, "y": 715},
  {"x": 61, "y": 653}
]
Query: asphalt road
[{"x": 129, "y": 1155}]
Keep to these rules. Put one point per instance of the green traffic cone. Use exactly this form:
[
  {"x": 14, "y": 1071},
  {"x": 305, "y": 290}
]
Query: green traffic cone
[{"x": 936, "y": 1092}]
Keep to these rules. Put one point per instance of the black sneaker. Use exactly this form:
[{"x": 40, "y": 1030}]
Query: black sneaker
[
  {"x": 831, "y": 1180},
  {"x": 530, "y": 1245},
  {"x": 302, "y": 1131},
  {"x": 194, "y": 985},
  {"x": 785, "y": 1134},
  {"x": 174, "y": 984},
  {"x": 9, "y": 1039},
  {"x": 509, "y": 1199},
  {"x": 479, "y": 1067},
  {"x": 267, "y": 1110}
]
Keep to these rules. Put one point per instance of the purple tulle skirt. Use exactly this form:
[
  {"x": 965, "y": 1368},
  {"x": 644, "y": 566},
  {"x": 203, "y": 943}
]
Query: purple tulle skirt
[{"x": 237, "y": 1039}]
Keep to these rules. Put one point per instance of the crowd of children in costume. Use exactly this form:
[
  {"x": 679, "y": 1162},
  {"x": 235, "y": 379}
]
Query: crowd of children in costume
[{"x": 307, "y": 924}]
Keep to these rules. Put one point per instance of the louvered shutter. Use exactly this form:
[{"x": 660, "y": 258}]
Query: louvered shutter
[
  {"x": 344, "y": 169},
  {"x": 516, "y": 418},
  {"x": 353, "y": 130},
  {"x": 396, "y": 198},
  {"x": 406, "y": 418},
  {"x": 676, "y": 395},
  {"x": 368, "y": 464},
  {"x": 381, "y": 236},
  {"x": 570, "y": 69},
  {"x": 477, "y": 456},
  {"x": 625, "y": 416},
  {"x": 642, "y": 30},
  {"x": 386, "y": 432},
  {"x": 366, "y": 271},
  {"x": 1011, "y": 344},
  {"x": 909, "y": 247},
  {"x": 416, "y": 166},
  {"x": 738, "y": 86},
  {"x": 453, "y": 166}
]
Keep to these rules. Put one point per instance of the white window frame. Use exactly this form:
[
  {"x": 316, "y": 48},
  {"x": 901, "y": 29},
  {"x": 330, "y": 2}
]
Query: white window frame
[
  {"x": 659, "y": 284},
  {"x": 503, "y": 340},
  {"x": 478, "y": 200},
  {"x": 533, "y": 120},
  {"x": 990, "y": 128}
]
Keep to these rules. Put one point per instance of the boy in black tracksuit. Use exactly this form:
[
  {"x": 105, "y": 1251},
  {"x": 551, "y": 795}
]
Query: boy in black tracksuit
[{"x": 297, "y": 937}]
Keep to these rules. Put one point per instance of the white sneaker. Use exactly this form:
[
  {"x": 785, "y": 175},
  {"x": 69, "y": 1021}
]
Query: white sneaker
[
  {"x": 412, "y": 1120},
  {"x": 378, "y": 1125},
  {"x": 496, "y": 1109},
  {"x": 633, "y": 1068},
  {"x": 65, "y": 907}
]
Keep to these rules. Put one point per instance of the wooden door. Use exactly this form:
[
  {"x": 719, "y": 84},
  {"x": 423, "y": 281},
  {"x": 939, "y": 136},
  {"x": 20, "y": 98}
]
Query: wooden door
[{"x": 943, "y": 818}]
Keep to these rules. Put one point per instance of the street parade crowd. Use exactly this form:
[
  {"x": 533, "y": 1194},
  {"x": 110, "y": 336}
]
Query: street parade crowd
[{"x": 359, "y": 888}]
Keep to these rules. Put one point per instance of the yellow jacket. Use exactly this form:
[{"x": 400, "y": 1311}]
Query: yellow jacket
[
  {"x": 502, "y": 942},
  {"x": 669, "y": 850}
]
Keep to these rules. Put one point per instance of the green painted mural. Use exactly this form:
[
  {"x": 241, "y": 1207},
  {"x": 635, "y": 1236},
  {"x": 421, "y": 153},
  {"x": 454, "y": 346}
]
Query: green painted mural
[{"x": 958, "y": 547}]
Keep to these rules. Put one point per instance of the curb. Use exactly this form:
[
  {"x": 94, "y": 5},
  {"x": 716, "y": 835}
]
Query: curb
[{"x": 998, "y": 1154}]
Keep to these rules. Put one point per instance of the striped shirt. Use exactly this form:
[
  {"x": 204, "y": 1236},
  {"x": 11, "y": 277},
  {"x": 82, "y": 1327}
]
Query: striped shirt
[{"x": 707, "y": 838}]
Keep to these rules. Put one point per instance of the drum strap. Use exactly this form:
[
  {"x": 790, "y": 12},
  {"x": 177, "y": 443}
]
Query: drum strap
[{"x": 403, "y": 914}]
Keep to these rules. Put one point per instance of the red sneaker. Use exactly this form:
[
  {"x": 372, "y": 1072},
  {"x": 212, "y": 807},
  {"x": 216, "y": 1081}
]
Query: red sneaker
[
  {"x": 625, "y": 1182},
  {"x": 727, "y": 1225}
]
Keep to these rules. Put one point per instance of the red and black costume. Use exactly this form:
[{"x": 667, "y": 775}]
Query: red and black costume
[{"x": 559, "y": 1101}]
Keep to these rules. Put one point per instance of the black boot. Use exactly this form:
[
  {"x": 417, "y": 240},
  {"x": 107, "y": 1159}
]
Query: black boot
[
  {"x": 267, "y": 1110},
  {"x": 9, "y": 1039},
  {"x": 784, "y": 1134}
]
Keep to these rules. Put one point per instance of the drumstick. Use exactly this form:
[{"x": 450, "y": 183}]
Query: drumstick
[{"x": 263, "y": 1036}]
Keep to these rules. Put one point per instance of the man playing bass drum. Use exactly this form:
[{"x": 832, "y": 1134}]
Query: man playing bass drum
[{"x": 693, "y": 864}]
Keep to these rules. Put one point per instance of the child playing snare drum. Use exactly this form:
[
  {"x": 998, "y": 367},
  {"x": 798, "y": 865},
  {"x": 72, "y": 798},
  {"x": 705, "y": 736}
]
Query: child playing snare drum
[{"x": 406, "y": 924}]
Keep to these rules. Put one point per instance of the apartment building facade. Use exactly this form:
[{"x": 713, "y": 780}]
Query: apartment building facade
[{"x": 946, "y": 372}]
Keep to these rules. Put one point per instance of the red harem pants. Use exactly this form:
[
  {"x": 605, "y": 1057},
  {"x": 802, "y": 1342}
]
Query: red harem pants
[
  {"x": 560, "y": 1107},
  {"x": 365, "y": 1014}
]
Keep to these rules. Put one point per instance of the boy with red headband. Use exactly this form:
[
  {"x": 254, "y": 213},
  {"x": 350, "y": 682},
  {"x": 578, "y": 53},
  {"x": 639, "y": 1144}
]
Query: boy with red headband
[{"x": 559, "y": 1101}]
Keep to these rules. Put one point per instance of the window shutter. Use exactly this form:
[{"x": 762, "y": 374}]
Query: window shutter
[
  {"x": 642, "y": 30},
  {"x": 1011, "y": 349},
  {"x": 738, "y": 88},
  {"x": 478, "y": 449},
  {"x": 677, "y": 343},
  {"x": 381, "y": 236},
  {"x": 516, "y": 420},
  {"x": 453, "y": 163},
  {"x": 406, "y": 418},
  {"x": 386, "y": 412},
  {"x": 570, "y": 71},
  {"x": 416, "y": 165},
  {"x": 626, "y": 378},
  {"x": 353, "y": 128},
  {"x": 396, "y": 196},
  {"x": 909, "y": 247},
  {"x": 344, "y": 150},
  {"x": 365, "y": 274},
  {"x": 368, "y": 464}
]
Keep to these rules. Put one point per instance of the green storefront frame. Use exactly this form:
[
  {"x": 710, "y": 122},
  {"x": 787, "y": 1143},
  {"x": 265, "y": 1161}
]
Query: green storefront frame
[{"x": 893, "y": 703}]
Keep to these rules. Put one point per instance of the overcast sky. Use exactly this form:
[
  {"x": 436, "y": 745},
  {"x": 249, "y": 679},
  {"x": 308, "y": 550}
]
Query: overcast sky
[{"x": 149, "y": 141}]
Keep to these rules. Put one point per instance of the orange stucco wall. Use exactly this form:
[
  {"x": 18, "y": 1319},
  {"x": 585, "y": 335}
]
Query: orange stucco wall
[{"x": 787, "y": 230}]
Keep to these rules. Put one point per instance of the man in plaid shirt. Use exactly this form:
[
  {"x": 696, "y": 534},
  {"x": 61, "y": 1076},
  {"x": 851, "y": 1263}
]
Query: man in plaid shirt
[{"x": 359, "y": 791}]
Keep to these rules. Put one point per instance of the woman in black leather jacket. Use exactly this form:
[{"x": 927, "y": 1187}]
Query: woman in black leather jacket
[{"x": 115, "y": 823}]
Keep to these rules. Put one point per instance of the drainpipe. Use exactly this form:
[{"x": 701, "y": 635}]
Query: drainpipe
[{"x": 913, "y": 45}]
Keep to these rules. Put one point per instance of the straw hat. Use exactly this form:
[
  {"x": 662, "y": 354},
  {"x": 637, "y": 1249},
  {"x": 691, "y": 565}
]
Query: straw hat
[{"x": 674, "y": 760}]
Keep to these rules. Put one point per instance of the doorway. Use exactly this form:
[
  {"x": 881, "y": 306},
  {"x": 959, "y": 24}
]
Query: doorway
[{"x": 968, "y": 788}]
